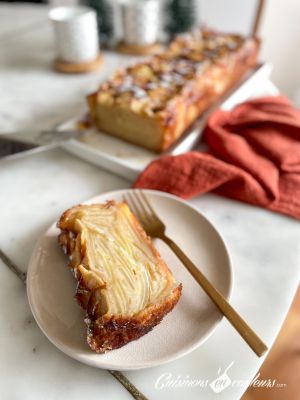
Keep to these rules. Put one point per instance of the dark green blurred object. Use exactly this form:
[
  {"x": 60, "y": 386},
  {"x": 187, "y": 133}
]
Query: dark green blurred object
[
  {"x": 104, "y": 16},
  {"x": 182, "y": 16}
]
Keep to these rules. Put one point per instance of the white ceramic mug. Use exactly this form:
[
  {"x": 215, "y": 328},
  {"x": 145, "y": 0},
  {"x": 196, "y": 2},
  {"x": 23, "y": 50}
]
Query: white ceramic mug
[
  {"x": 76, "y": 33},
  {"x": 141, "y": 21}
]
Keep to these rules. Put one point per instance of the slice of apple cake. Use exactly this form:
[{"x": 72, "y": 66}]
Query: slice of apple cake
[{"x": 123, "y": 283}]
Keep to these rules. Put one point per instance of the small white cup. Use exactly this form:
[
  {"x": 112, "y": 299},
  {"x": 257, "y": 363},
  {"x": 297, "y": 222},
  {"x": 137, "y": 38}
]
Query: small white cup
[
  {"x": 141, "y": 21},
  {"x": 76, "y": 33}
]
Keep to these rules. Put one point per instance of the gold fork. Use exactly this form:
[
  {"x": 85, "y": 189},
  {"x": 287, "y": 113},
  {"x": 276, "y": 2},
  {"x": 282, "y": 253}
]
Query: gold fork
[{"x": 155, "y": 228}]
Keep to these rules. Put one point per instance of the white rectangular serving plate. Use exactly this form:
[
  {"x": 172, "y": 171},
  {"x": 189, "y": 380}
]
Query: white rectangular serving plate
[{"x": 128, "y": 160}]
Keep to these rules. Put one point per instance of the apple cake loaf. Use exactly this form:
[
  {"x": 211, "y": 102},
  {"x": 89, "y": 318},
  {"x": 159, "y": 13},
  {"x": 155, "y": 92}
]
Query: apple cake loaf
[
  {"x": 151, "y": 103},
  {"x": 123, "y": 284}
]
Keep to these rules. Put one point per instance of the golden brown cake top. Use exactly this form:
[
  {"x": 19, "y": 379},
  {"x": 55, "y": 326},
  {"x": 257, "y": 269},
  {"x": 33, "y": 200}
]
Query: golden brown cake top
[{"x": 146, "y": 87}]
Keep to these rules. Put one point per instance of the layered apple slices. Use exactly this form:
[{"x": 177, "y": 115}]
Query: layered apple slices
[{"x": 123, "y": 283}]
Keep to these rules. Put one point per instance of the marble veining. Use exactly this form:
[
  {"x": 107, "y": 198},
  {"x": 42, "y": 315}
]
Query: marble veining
[{"x": 264, "y": 247}]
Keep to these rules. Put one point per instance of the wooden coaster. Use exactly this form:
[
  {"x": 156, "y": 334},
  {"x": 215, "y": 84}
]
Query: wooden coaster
[
  {"x": 78, "y": 68},
  {"x": 138, "y": 49}
]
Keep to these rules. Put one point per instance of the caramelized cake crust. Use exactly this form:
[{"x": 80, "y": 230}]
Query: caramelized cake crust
[
  {"x": 123, "y": 284},
  {"x": 151, "y": 103}
]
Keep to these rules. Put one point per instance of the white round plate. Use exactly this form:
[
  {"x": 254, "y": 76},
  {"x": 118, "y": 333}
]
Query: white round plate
[{"x": 51, "y": 288}]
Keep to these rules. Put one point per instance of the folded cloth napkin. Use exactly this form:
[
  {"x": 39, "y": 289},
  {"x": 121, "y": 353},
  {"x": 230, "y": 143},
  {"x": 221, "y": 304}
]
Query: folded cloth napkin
[{"x": 254, "y": 156}]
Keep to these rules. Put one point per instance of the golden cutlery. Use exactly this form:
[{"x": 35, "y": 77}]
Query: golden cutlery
[{"x": 155, "y": 228}]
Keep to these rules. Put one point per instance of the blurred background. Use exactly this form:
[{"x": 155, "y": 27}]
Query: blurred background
[
  {"x": 278, "y": 26},
  {"x": 27, "y": 53}
]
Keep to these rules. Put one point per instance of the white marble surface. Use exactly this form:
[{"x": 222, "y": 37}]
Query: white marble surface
[
  {"x": 265, "y": 247},
  {"x": 16, "y": 19}
]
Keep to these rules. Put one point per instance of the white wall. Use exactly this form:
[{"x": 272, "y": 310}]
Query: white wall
[
  {"x": 228, "y": 15},
  {"x": 280, "y": 31}
]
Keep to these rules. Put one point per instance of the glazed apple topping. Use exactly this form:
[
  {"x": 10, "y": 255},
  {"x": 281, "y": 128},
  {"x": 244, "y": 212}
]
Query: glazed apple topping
[{"x": 147, "y": 87}]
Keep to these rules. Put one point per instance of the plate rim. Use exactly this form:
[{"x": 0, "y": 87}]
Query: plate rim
[{"x": 180, "y": 353}]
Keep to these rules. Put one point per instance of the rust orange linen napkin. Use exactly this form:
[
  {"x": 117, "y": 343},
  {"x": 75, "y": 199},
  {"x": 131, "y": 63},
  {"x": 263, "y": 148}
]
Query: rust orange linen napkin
[{"x": 254, "y": 156}]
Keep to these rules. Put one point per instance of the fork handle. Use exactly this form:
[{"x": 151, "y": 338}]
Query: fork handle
[{"x": 256, "y": 344}]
